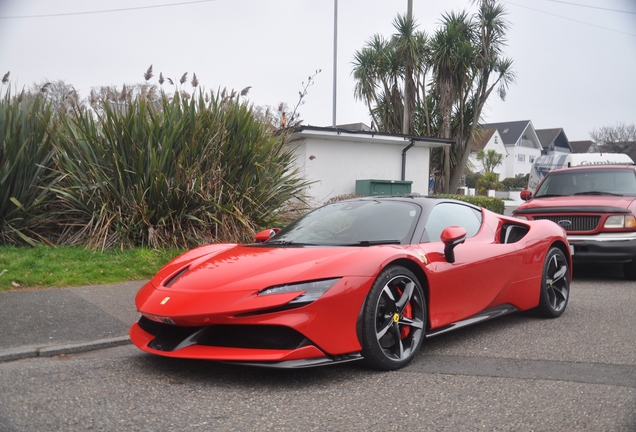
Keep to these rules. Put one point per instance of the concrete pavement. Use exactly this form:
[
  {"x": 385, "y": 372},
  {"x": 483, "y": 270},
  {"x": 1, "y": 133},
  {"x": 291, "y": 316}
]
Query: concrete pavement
[{"x": 54, "y": 321}]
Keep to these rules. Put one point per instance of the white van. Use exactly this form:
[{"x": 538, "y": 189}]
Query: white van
[{"x": 544, "y": 164}]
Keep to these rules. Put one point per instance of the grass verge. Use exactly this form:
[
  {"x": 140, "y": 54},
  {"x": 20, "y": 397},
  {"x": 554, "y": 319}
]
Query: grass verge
[{"x": 43, "y": 266}]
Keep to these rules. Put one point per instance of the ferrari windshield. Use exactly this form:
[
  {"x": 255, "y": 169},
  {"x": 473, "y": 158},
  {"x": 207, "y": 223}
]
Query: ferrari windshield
[
  {"x": 619, "y": 182},
  {"x": 353, "y": 223}
]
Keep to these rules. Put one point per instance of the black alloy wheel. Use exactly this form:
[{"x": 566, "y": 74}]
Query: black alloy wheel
[
  {"x": 555, "y": 284},
  {"x": 394, "y": 319}
]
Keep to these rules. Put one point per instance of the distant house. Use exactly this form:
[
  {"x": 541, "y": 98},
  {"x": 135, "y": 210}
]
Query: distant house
[
  {"x": 554, "y": 141},
  {"x": 584, "y": 147},
  {"x": 334, "y": 158},
  {"x": 521, "y": 143},
  {"x": 489, "y": 140}
]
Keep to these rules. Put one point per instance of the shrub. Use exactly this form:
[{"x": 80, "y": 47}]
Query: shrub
[
  {"x": 488, "y": 182},
  {"x": 176, "y": 173},
  {"x": 516, "y": 183},
  {"x": 493, "y": 204},
  {"x": 471, "y": 179},
  {"x": 26, "y": 159}
]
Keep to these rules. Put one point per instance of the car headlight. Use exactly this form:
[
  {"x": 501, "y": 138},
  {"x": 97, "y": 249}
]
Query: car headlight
[
  {"x": 311, "y": 291},
  {"x": 620, "y": 222}
]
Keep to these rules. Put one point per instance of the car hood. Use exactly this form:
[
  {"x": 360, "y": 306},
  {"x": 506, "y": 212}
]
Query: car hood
[
  {"x": 232, "y": 267},
  {"x": 582, "y": 203},
  {"x": 226, "y": 279}
]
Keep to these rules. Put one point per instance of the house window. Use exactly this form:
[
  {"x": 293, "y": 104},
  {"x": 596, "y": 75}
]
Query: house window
[
  {"x": 531, "y": 159},
  {"x": 521, "y": 158}
]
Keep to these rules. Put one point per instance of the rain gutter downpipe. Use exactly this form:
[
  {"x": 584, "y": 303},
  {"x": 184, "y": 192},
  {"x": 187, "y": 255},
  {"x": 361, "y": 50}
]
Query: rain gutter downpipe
[{"x": 407, "y": 148}]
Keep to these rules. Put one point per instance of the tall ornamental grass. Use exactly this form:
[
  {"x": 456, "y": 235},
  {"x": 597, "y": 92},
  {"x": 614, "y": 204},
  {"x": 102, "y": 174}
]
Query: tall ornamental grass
[
  {"x": 175, "y": 173},
  {"x": 26, "y": 159}
]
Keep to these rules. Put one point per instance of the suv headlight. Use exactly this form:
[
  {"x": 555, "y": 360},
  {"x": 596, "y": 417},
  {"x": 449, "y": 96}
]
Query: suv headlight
[{"x": 620, "y": 222}]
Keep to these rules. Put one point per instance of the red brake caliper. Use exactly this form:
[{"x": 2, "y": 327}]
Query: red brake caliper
[{"x": 408, "y": 313}]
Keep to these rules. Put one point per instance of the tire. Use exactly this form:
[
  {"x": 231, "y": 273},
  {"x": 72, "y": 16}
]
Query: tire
[
  {"x": 555, "y": 284},
  {"x": 393, "y": 319},
  {"x": 629, "y": 269}
]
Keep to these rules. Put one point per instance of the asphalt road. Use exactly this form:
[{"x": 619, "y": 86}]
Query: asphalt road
[{"x": 519, "y": 372}]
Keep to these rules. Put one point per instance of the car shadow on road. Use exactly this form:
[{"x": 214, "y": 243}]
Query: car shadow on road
[{"x": 185, "y": 371}]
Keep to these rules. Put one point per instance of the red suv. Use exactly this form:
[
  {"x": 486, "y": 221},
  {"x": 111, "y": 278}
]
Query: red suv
[{"x": 596, "y": 206}]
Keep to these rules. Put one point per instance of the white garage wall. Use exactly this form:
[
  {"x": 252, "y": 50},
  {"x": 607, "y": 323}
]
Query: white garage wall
[{"x": 335, "y": 165}]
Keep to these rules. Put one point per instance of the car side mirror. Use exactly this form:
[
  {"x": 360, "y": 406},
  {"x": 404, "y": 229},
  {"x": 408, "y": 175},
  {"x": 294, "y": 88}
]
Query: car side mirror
[
  {"x": 265, "y": 235},
  {"x": 451, "y": 237},
  {"x": 525, "y": 195}
]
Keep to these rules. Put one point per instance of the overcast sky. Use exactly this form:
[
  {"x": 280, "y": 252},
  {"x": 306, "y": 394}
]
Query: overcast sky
[{"x": 575, "y": 60}]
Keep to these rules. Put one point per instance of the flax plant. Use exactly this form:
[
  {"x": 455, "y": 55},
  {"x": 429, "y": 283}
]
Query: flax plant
[
  {"x": 26, "y": 159},
  {"x": 175, "y": 173}
]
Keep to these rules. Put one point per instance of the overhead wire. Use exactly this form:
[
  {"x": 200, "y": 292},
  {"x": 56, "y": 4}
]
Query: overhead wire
[
  {"x": 570, "y": 19},
  {"x": 105, "y": 10},
  {"x": 593, "y": 7}
]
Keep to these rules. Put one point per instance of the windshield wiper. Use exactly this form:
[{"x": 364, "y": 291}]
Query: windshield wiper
[
  {"x": 598, "y": 193},
  {"x": 279, "y": 242},
  {"x": 285, "y": 243},
  {"x": 548, "y": 195},
  {"x": 376, "y": 242}
]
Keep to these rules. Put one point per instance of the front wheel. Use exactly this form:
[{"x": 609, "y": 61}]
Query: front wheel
[
  {"x": 393, "y": 320},
  {"x": 555, "y": 284}
]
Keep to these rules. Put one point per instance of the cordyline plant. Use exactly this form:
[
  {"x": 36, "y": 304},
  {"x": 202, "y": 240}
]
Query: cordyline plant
[
  {"x": 177, "y": 172},
  {"x": 26, "y": 159}
]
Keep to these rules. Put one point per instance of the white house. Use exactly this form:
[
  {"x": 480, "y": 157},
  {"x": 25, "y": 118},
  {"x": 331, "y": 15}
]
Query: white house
[
  {"x": 335, "y": 158},
  {"x": 554, "y": 141},
  {"x": 584, "y": 147},
  {"x": 489, "y": 140},
  {"x": 521, "y": 143}
]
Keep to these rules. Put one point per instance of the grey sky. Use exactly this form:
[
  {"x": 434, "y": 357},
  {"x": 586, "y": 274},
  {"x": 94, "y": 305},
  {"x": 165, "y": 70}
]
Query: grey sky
[{"x": 575, "y": 65}]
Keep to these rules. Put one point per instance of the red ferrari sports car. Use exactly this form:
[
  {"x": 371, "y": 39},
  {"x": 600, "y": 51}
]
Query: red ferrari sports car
[{"x": 367, "y": 278}]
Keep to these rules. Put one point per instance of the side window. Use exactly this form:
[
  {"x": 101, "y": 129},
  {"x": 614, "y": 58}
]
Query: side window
[{"x": 451, "y": 214}]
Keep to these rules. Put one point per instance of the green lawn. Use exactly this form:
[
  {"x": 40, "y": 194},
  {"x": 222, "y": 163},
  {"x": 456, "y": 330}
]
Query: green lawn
[{"x": 44, "y": 266}]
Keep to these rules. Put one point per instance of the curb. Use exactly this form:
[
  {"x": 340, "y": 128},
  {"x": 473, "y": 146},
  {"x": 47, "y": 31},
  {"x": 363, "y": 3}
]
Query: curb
[{"x": 51, "y": 351}]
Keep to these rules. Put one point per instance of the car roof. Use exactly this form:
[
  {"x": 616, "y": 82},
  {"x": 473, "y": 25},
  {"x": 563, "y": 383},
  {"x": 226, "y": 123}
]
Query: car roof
[
  {"x": 426, "y": 202},
  {"x": 594, "y": 167}
]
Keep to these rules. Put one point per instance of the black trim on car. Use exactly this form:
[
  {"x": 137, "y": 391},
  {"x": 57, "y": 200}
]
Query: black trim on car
[{"x": 572, "y": 209}]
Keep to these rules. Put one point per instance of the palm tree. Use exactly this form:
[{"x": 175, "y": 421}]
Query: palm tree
[
  {"x": 466, "y": 62},
  {"x": 452, "y": 57},
  {"x": 412, "y": 51},
  {"x": 386, "y": 70},
  {"x": 490, "y": 160},
  {"x": 490, "y": 70}
]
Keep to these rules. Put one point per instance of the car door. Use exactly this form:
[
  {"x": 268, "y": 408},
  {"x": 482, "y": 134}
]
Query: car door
[{"x": 482, "y": 270}]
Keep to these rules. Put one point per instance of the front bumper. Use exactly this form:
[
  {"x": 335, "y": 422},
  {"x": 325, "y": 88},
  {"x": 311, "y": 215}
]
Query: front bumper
[
  {"x": 606, "y": 247},
  {"x": 251, "y": 350}
]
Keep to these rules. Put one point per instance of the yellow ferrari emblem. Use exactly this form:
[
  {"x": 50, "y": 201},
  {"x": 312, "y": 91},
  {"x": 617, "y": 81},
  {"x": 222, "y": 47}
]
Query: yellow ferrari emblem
[
  {"x": 164, "y": 301},
  {"x": 396, "y": 317},
  {"x": 423, "y": 258}
]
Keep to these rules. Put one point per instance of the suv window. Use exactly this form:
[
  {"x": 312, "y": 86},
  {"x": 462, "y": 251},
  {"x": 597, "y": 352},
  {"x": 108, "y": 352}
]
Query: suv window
[{"x": 589, "y": 182}]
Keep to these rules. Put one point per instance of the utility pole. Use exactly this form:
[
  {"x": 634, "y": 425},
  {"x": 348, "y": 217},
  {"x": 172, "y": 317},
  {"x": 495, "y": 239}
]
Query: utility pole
[
  {"x": 406, "y": 123},
  {"x": 335, "y": 59}
]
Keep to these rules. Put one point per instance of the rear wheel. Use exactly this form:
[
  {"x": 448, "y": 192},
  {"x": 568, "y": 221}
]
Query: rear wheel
[
  {"x": 393, "y": 319},
  {"x": 555, "y": 284}
]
